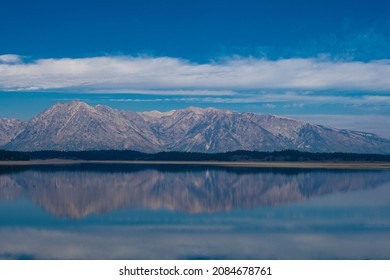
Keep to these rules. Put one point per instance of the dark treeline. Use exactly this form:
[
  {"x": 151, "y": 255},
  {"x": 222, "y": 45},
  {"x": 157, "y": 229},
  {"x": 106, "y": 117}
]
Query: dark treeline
[
  {"x": 8, "y": 155},
  {"x": 287, "y": 155}
]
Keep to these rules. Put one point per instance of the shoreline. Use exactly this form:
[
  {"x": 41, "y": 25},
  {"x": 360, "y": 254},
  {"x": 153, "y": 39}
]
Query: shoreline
[{"x": 254, "y": 164}]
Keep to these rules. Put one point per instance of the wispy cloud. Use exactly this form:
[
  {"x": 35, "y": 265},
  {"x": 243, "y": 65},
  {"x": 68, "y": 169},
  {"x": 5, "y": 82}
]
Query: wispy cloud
[
  {"x": 173, "y": 92},
  {"x": 294, "y": 99},
  {"x": 329, "y": 98},
  {"x": 149, "y": 75},
  {"x": 10, "y": 59}
]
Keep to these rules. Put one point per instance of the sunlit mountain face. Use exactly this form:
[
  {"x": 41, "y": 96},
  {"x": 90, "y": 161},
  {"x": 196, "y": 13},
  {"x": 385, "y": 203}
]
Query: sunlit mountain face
[{"x": 75, "y": 126}]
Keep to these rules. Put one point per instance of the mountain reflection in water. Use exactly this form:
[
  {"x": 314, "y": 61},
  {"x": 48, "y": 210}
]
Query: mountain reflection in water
[
  {"x": 98, "y": 211},
  {"x": 76, "y": 193}
]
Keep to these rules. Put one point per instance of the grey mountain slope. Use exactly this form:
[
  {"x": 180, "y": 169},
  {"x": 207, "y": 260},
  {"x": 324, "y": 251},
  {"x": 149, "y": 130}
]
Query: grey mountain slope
[
  {"x": 316, "y": 138},
  {"x": 212, "y": 130},
  {"x": 78, "y": 126},
  {"x": 9, "y": 129}
]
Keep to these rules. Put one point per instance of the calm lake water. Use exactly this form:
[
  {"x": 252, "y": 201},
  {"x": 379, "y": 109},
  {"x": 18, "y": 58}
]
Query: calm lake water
[{"x": 192, "y": 212}]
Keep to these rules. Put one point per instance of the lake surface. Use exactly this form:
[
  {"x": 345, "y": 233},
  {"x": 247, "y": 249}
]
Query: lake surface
[{"x": 98, "y": 211}]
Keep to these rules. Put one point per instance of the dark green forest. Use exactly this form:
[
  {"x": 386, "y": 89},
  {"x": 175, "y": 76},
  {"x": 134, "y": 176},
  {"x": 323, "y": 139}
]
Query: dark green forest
[
  {"x": 287, "y": 155},
  {"x": 7, "y": 155}
]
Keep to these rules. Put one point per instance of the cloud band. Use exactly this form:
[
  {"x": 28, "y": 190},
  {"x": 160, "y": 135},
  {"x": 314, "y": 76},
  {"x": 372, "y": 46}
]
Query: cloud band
[{"x": 143, "y": 74}]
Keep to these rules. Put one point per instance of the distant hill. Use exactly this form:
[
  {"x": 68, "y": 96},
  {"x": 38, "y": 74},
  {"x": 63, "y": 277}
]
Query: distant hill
[{"x": 76, "y": 126}]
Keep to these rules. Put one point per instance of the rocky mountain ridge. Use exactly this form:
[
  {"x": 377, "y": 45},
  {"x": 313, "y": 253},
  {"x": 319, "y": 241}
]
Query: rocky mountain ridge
[{"x": 76, "y": 126}]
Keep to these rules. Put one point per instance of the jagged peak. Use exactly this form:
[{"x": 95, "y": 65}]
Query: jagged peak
[
  {"x": 77, "y": 104},
  {"x": 199, "y": 110},
  {"x": 10, "y": 120},
  {"x": 104, "y": 108},
  {"x": 183, "y": 129},
  {"x": 73, "y": 105},
  {"x": 277, "y": 117},
  {"x": 288, "y": 119},
  {"x": 158, "y": 114}
]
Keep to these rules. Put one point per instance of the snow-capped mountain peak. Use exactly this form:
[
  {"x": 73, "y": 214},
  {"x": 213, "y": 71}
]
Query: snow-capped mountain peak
[{"x": 76, "y": 125}]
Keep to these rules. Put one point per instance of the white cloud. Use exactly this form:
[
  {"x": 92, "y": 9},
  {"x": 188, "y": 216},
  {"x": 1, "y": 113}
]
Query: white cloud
[
  {"x": 10, "y": 59},
  {"x": 164, "y": 74}
]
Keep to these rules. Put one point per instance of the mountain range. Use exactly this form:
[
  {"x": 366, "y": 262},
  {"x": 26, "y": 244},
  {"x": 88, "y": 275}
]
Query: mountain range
[{"x": 77, "y": 126}]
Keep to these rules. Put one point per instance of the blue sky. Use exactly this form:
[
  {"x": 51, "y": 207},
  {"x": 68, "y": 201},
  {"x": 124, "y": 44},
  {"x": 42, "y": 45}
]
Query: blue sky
[{"x": 323, "y": 61}]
